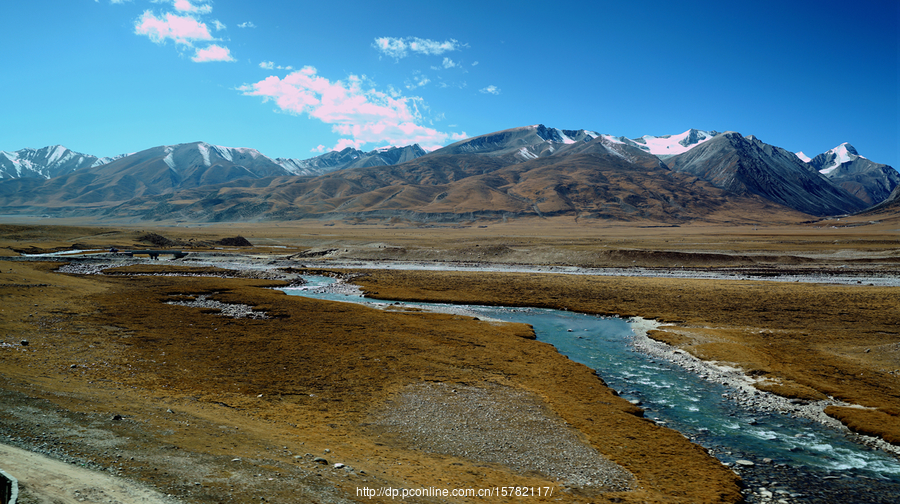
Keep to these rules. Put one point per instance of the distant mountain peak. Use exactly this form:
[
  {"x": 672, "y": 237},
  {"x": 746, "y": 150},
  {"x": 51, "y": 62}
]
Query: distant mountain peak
[
  {"x": 747, "y": 165},
  {"x": 867, "y": 180},
  {"x": 671, "y": 145},
  {"x": 46, "y": 162},
  {"x": 831, "y": 160},
  {"x": 849, "y": 148}
]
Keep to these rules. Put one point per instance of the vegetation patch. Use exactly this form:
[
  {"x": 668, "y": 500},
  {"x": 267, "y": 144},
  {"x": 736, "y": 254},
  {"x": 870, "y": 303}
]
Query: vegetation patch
[
  {"x": 237, "y": 241},
  {"x": 162, "y": 269},
  {"x": 870, "y": 422}
]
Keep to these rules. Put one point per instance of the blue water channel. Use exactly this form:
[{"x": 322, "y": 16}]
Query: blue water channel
[{"x": 799, "y": 449}]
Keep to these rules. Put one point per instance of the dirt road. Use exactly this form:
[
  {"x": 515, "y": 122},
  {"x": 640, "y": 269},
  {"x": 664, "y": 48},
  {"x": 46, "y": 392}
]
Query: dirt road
[{"x": 46, "y": 480}]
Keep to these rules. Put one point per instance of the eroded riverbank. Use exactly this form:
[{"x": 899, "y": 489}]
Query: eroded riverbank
[
  {"x": 785, "y": 450},
  {"x": 235, "y": 404}
]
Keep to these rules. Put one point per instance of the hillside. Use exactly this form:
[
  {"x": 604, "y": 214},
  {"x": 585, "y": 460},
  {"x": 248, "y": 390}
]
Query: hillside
[{"x": 518, "y": 172}]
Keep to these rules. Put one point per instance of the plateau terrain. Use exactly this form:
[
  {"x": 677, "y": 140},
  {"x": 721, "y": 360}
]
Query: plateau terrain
[
  {"x": 148, "y": 333},
  {"x": 151, "y": 371},
  {"x": 521, "y": 172}
]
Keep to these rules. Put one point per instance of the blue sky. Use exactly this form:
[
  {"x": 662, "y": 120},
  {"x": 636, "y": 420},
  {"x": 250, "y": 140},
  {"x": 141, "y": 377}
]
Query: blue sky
[{"x": 294, "y": 79}]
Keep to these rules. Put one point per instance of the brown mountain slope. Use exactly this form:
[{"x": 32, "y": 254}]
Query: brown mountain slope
[{"x": 601, "y": 185}]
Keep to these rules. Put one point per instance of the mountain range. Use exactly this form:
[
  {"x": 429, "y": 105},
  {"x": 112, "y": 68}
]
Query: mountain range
[{"x": 531, "y": 170}]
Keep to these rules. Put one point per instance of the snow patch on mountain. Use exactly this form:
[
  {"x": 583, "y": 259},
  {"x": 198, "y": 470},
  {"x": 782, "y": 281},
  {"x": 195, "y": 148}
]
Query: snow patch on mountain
[
  {"x": 844, "y": 153},
  {"x": 803, "y": 157},
  {"x": 671, "y": 145},
  {"x": 57, "y": 154},
  {"x": 225, "y": 153},
  {"x": 169, "y": 159},
  {"x": 204, "y": 151},
  {"x": 109, "y": 159},
  {"x": 611, "y": 139},
  {"x": 46, "y": 162}
]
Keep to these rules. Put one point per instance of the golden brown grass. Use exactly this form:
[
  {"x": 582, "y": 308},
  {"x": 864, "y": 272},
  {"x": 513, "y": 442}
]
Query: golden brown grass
[
  {"x": 869, "y": 422},
  {"x": 534, "y": 241},
  {"x": 808, "y": 340},
  {"x": 805, "y": 340},
  {"x": 312, "y": 373}
]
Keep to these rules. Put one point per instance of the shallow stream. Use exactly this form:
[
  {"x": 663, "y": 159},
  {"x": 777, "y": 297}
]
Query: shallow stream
[{"x": 794, "y": 459}]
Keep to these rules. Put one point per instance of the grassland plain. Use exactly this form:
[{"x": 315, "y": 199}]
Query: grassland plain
[
  {"x": 215, "y": 401},
  {"x": 213, "y": 409}
]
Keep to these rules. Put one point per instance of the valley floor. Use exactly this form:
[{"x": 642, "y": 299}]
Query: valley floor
[{"x": 207, "y": 408}]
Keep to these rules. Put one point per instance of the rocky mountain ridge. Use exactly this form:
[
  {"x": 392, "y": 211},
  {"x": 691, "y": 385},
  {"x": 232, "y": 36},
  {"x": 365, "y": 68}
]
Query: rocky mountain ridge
[
  {"x": 531, "y": 170},
  {"x": 867, "y": 180}
]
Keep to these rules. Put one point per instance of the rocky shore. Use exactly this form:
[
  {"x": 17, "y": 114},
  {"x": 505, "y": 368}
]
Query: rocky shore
[
  {"x": 499, "y": 425},
  {"x": 741, "y": 389},
  {"x": 765, "y": 480}
]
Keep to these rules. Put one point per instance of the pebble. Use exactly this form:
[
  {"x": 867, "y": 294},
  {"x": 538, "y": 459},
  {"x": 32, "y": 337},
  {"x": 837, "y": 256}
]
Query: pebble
[
  {"x": 498, "y": 425},
  {"x": 225, "y": 309}
]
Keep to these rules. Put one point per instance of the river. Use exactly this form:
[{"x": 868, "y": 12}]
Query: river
[{"x": 793, "y": 459}]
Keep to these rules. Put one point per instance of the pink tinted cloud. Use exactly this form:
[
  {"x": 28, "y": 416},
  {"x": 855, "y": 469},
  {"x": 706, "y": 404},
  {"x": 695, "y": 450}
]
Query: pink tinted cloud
[
  {"x": 187, "y": 6},
  {"x": 213, "y": 53},
  {"x": 181, "y": 29},
  {"x": 362, "y": 114}
]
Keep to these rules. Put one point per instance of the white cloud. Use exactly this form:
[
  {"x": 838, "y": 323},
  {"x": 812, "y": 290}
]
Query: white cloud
[
  {"x": 494, "y": 90},
  {"x": 181, "y": 29},
  {"x": 356, "y": 111},
  {"x": 218, "y": 25},
  {"x": 270, "y": 65},
  {"x": 418, "y": 81},
  {"x": 247, "y": 24},
  {"x": 401, "y": 47},
  {"x": 446, "y": 64},
  {"x": 213, "y": 53},
  {"x": 187, "y": 6}
]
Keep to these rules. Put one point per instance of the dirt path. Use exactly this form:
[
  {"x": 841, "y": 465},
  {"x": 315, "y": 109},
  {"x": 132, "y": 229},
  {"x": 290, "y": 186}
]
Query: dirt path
[{"x": 43, "y": 480}]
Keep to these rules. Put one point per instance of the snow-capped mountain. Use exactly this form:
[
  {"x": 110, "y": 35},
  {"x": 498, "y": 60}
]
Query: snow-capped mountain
[
  {"x": 109, "y": 159},
  {"x": 829, "y": 161},
  {"x": 521, "y": 144},
  {"x": 351, "y": 158},
  {"x": 152, "y": 182},
  {"x": 45, "y": 163},
  {"x": 191, "y": 165},
  {"x": 746, "y": 165},
  {"x": 867, "y": 180},
  {"x": 666, "y": 146},
  {"x": 57, "y": 160}
]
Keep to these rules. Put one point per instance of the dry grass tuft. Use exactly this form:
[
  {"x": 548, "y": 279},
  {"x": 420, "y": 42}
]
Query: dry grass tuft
[{"x": 869, "y": 422}]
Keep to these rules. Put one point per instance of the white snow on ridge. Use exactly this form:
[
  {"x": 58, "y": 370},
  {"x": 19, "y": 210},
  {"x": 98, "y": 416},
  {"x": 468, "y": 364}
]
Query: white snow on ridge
[
  {"x": 565, "y": 138},
  {"x": 669, "y": 144},
  {"x": 224, "y": 153},
  {"x": 57, "y": 154},
  {"x": 803, "y": 157},
  {"x": 611, "y": 139},
  {"x": 169, "y": 160},
  {"x": 108, "y": 159},
  {"x": 527, "y": 154},
  {"x": 204, "y": 151},
  {"x": 844, "y": 153}
]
